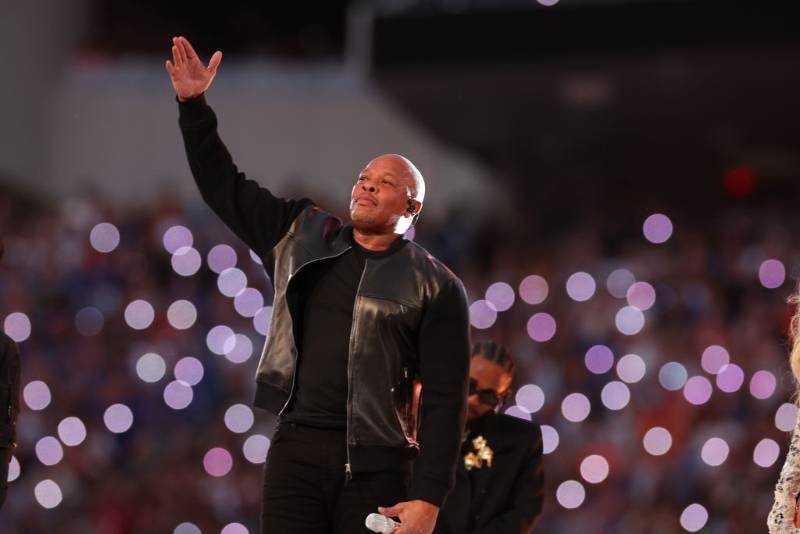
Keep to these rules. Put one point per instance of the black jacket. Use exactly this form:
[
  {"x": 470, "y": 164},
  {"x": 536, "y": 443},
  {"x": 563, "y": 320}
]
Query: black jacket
[
  {"x": 505, "y": 498},
  {"x": 406, "y": 304},
  {"x": 9, "y": 391}
]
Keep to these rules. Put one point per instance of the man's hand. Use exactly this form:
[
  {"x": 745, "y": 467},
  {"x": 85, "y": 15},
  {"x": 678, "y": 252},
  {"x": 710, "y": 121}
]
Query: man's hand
[
  {"x": 190, "y": 78},
  {"x": 416, "y": 517}
]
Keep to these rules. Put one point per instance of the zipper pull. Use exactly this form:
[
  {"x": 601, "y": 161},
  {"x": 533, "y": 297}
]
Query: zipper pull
[{"x": 348, "y": 473}]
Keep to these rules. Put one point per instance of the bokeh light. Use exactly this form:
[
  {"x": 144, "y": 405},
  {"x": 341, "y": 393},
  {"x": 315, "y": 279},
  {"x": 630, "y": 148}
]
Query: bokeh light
[
  {"x": 221, "y": 257},
  {"x": 262, "y": 320},
  {"x": 178, "y": 395},
  {"x": 177, "y": 237},
  {"x": 231, "y": 282},
  {"x": 71, "y": 431},
  {"x": 181, "y": 314},
  {"x": 762, "y": 384},
  {"x": 104, "y": 237},
  {"x": 255, "y": 449},
  {"x": 766, "y": 452},
  {"x": 714, "y": 358},
  {"x": 581, "y": 286},
  {"x": 238, "y": 349},
  {"x": 730, "y": 378},
  {"x": 48, "y": 494},
  {"x": 186, "y": 261},
  {"x": 255, "y": 258},
  {"x": 619, "y": 281},
  {"x": 641, "y": 295},
  {"x": 89, "y": 321},
  {"x": 190, "y": 370},
  {"x": 482, "y": 314},
  {"x": 248, "y": 302},
  {"x": 118, "y": 418},
  {"x": 234, "y": 528},
  {"x": 17, "y": 326},
  {"x": 541, "y": 327},
  {"x": 151, "y": 367},
  {"x": 599, "y": 359},
  {"x": 715, "y": 451},
  {"x": 36, "y": 395},
  {"x": 139, "y": 314},
  {"x": 49, "y": 451},
  {"x": 594, "y": 469},
  {"x": 218, "y": 337},
  {"x": 187, "y": 528},
  {"x": 629, "y": 320},
  {"x": 570, "y": 494},
  {"x": 218, "y": 462},
  {"x": 239, "y": 418},
  {"x": 501, "y": 295},
  {"x": 533, "y": 289},
  {"x": 694, "y": 517},
  {"x": 786, "y": 416},
  {"x": 615, "y": 395},
  {"x": 631, "y": 368},
  {"x": 657, "y": 441},
  {"x": 657, "y": 228},
  {"x": 548, "y": 3},
  {"x": 550, "y": 439},
  {"x": 772, "y": 274},
  {"x": 14, "y": 469},
  {"x": 575, "y": 407},
  {"x": 530, "y": 397},
  {"x": 697, "y": 390},
  {"x": 672, "y": 376}
]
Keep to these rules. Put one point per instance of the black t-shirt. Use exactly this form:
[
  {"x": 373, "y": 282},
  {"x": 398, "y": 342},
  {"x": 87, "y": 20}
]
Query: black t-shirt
[{"x": 327, "y": 292}]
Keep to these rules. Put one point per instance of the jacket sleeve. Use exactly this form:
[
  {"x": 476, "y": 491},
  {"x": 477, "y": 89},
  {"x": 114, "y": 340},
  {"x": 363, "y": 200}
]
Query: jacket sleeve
[
  {"x": 528, "y": 494},
  {"x": 9, "y": 359},
  {"x": 252, "y": 212},
  {"x": 444, "y": 369},
  {"x": 781, "y": 517}
]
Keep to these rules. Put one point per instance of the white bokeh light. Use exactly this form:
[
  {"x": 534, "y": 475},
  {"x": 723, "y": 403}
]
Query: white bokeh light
[
  {"x": 255, "y": 448},
  {"x": 71, "y": 431},
  {"x": 178, "y": 394},
  {"x": 550, "y": 439},
  {"x": 139, "y": 314},
  {"x": 766, "y": 452},
  {"x": 150, "y": 367},
  {"x": 118, "y": 418},
  {"x": 36, "y": 395},
  {"x": 177, "y": 237},
  {"x": 786, "y": 416},
  {"x": 48, "y": 494},
  {"x": 239, "y": 418},
  {"x": 531, "y": 397},
  {"x": 104, "y": 237},
  {"x": 49, "y": 451},
  {"x": 482, "y": 314},
  {"x": 186, "y": 261},
  {"x": 501, "y": 295},
  {"x": 594, "y": 469},
  {"x": 615, "y": 395},
  {"x": 629, "y": 320},
  {"x": 581, "y": 286},
  {"x": 715, "y": 451},
  {"x": 190, "y": 370},
  {"x": 570, "y": 494},
  {"x": 631, "y": 368},
  {"x": 657, "y": 441},
  {"x": 17, "y": 326},
  {"x": 231, "y": 282},
  {"x": 694, "y": 517},
  {"x": 575, "y": 407},
  {"x": 181, "y": 314}
]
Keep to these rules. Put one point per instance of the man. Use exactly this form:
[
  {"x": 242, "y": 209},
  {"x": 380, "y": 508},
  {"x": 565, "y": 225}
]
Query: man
[
  {"x": 360, "y": 315},
  {"x": 499, "y": 482},
  {"x": 9, "y": 402}
]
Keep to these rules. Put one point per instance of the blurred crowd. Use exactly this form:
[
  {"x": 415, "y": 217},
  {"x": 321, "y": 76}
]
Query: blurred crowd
[{"x": 151, "y": 478}]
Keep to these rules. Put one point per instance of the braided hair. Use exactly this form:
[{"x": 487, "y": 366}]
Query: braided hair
[{"x": 494, "y": 352}]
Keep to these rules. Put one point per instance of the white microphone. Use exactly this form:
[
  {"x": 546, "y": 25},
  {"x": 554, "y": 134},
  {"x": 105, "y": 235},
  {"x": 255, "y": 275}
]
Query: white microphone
[{"x": 380, "y": 523}]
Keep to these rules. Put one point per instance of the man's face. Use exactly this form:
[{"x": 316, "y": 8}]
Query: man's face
[
  {"x": 486, "y": 375},
  {"x": 380, "y": 196}
]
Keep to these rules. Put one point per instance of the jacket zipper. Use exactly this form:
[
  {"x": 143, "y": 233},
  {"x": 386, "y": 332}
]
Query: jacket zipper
[
  {"x": 348, "y": 468},
  {"x": 294, "y": 368}
]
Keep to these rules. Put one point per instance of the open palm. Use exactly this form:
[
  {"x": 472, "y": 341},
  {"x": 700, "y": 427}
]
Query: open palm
[{"x": 190, "y": 78}]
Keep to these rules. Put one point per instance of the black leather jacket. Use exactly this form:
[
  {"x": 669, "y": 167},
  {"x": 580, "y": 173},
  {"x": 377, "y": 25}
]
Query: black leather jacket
[{"x": 9, "y": 391}]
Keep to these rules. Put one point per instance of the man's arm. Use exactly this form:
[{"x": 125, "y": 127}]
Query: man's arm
[
  {"x": 528, "y": 491},
  {"x": 252, "y": 212},
  {"x": 444, "y": 350}
]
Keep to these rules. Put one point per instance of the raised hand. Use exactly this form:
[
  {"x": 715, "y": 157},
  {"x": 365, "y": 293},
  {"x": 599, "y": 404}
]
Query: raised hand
[{"x": 190, "y": 78}]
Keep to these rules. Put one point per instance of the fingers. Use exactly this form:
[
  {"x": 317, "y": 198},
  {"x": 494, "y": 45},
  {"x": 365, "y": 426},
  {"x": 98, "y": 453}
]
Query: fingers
[
  {"x": 188, "y": 48},
  {"x": 170, "y": 67},
  {"x": 181, "y": 51},
  {"x": 214, "y": 62},
  {"x": 176, "y": 58},
  {"x": 392, "y": 511}
]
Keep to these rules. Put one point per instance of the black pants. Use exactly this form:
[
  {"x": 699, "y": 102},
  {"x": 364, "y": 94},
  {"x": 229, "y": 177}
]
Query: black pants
[{"x": 305, "y": 489}]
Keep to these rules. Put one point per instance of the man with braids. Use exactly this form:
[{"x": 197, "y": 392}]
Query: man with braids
[
  {"x": 499, "y": 482},
  {"x": 360, "y": 316}
]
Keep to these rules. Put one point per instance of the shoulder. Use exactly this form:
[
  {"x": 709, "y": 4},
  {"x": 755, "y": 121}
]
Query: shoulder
[
  {"x": 514, "y": 426},
  {"x": 430, "y": 264}
]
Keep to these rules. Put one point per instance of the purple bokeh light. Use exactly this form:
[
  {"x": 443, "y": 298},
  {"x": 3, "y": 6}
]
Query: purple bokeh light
[
  {"x": 501, "y": 295},
  {"x": 218, "y": 462},
  {"x": 570, "y": 494},
  {"x": 104, "y": 237},
  {"x": 181, "y": 314},
  {"x": 541, "y": 327},
  {"x": 594, "y": 469},
  {"x": 36, "y": 395},
  {"x": 714, "y": 358},
  {"x": 186, "y": 261},
  {"x": 530, "y": 397},
  {"x": 657, "y": 441},
  {"x": 694, "y": 517},
  {"x": 248, "y": 302},
  {"x": 17, "y": 326},
  {"x": 482, "y": 314},
  {"x": 657, "y": 228},
  {"x": 615, "y": 395},
  {"x": 766, "y": 452},
  {"x": 772, "y": 274},
  {"x": 631, "y": 368},
  {"x": 118, "y": 418},
  {"x": 255, "y": 448},
  {"x": 762, "y": 384},
  {"x": 641, "y": 295},
  {"x": 189, "y": 370},
  {"x": 139, "y": 314},
  {"x": 715, "y": 451},
  {"x": 71, "y": 431},
  {"x": 581, "y": 286},
  {"x": 697, "y": 390},
  {"x": 221, "y": 257},
  {"x": 550, "y": 439},
  {"x": 177, "y": 237},
  {"x": 619, "y": 281},
  {"x": 730, "y": 378},
  {"x": 178, "y": 395},
  {"x": 599, "y": 359},
  {"x": 576, "y": 407}
]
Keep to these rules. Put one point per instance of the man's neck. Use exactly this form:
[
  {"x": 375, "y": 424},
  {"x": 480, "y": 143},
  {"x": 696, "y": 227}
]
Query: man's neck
[{"x": 374, "y": 242}]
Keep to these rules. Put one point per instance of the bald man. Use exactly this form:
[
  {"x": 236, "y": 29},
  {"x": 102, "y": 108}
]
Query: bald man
[{"x": 360, "y": 316}]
